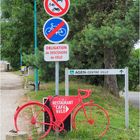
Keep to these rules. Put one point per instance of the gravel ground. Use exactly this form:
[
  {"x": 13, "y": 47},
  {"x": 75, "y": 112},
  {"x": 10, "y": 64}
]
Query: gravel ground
[{"x": 11, "y": 91}]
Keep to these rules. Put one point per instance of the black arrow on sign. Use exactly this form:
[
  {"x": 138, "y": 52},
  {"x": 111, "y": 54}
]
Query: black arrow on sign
[{"x": 121, "y": 71}]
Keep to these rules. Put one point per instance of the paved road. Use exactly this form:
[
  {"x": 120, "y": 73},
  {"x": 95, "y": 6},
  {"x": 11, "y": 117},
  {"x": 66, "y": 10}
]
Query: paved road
[
  {"x": 11, "y": 90},
  {"x": 134, "y": 98}
]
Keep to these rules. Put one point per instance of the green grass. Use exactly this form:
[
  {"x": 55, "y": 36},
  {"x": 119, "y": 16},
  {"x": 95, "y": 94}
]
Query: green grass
[{"x": 113, "y": 105}]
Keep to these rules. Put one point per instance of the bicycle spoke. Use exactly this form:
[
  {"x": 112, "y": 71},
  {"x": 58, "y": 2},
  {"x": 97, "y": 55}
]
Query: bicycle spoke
[
  {"x": 33, "y": 108},
  {"x": 83, "y": 121},
  {"x": 32, "y": 120},
  {"x": 90, "y": 112},
  {"x": 38, "y": 113},
  {"x": 26, "y": 116},
  {"x": 93, "y": 118}
]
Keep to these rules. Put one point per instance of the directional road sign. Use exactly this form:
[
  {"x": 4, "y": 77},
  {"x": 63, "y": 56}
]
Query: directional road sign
[
  {"x": 55, "y": 30},
  {"x": 96, "y": 72},
  {"x": 56, "y": 52},
  {"x": 56, "y": 8}
]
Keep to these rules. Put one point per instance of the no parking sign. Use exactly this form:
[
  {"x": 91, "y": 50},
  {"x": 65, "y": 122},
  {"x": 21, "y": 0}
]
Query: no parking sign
[
  {"x": 55, "y": 30},
  {"x": 56, "y": 8}
]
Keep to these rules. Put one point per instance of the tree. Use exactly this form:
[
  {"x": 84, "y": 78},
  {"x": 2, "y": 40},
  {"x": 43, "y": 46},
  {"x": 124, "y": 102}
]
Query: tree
[
  {"x": 133, "y": 65},
  {"x": 102, "y": 34},
  {"x": 108, "y": 32},
  {"x": 17, "y": 30}
]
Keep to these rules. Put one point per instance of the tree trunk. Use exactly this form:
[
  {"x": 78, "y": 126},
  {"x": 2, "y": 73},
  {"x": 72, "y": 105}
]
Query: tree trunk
[{"x": 110, "y": 81}]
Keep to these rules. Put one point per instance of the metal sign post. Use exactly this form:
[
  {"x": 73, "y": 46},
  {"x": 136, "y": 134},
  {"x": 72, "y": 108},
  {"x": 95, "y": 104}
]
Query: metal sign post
[
  {"x": 56, "y": 53},
  {"x": 66, "y": 82},
  {"x": 20, "y": 57},
  {"x": 76, "y": 72},
  {"x": 126, "y": 99},
  {"x": 56, "y": 30},
  {"x": 56, "y": 78}
]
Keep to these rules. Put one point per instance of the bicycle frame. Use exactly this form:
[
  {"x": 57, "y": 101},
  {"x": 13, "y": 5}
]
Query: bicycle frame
[
  {"x": 58, "y": 109},
  {"x": 63, "y": 106},
  {"x": 60, "y": 32}
]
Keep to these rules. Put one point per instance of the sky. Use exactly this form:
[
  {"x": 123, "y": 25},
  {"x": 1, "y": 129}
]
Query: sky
[{"x": 137, "y": 45}]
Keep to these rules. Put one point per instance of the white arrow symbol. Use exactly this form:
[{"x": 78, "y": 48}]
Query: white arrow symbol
[{"x": 67, "y": 109}]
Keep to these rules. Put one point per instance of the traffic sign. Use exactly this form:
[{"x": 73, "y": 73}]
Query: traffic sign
[
  {"x": 124, "y": 72},
  {"x": 96, "y": 72},
  {"x": 56, "y": 52},
  {"x": 56, "y": 8},
  {"x": 55, "y": 30}
]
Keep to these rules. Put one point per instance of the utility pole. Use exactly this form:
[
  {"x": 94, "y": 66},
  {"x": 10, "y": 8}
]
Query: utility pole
[
  {"x": 35, "y": 46},
  {"x": 20, "y": 57}
]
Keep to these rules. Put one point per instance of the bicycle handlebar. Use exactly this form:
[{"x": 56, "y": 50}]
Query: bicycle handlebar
[{"x": 87, "y": 93}]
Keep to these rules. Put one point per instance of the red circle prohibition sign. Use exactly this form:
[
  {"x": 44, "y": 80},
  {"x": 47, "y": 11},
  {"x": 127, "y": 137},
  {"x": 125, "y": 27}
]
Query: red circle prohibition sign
[{"x": 56, "y": 8}]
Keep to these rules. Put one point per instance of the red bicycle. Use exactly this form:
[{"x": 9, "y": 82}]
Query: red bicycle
[{"x": 86, "y": 117}]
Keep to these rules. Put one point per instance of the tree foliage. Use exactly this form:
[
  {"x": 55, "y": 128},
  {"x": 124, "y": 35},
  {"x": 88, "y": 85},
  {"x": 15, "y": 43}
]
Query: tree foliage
[
  {"x": 133, "y": 65},
  {"x": 104, "y": 24},
  {"x": 17, "y": 29},
  {"x": 102, "y": 34},
  {"x": 105, "y": 35}
]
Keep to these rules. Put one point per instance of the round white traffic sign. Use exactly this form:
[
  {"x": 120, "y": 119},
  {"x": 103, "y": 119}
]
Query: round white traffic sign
[{"x": 56, "y": 8}]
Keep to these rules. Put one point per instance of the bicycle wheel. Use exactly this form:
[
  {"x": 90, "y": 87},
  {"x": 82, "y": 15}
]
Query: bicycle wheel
[
  {"x": 29, "y": 118},
  {"x": 92, "y": 120},
  {"x": 62, "y": 32},
  {"x": 47, "y": 31}
]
